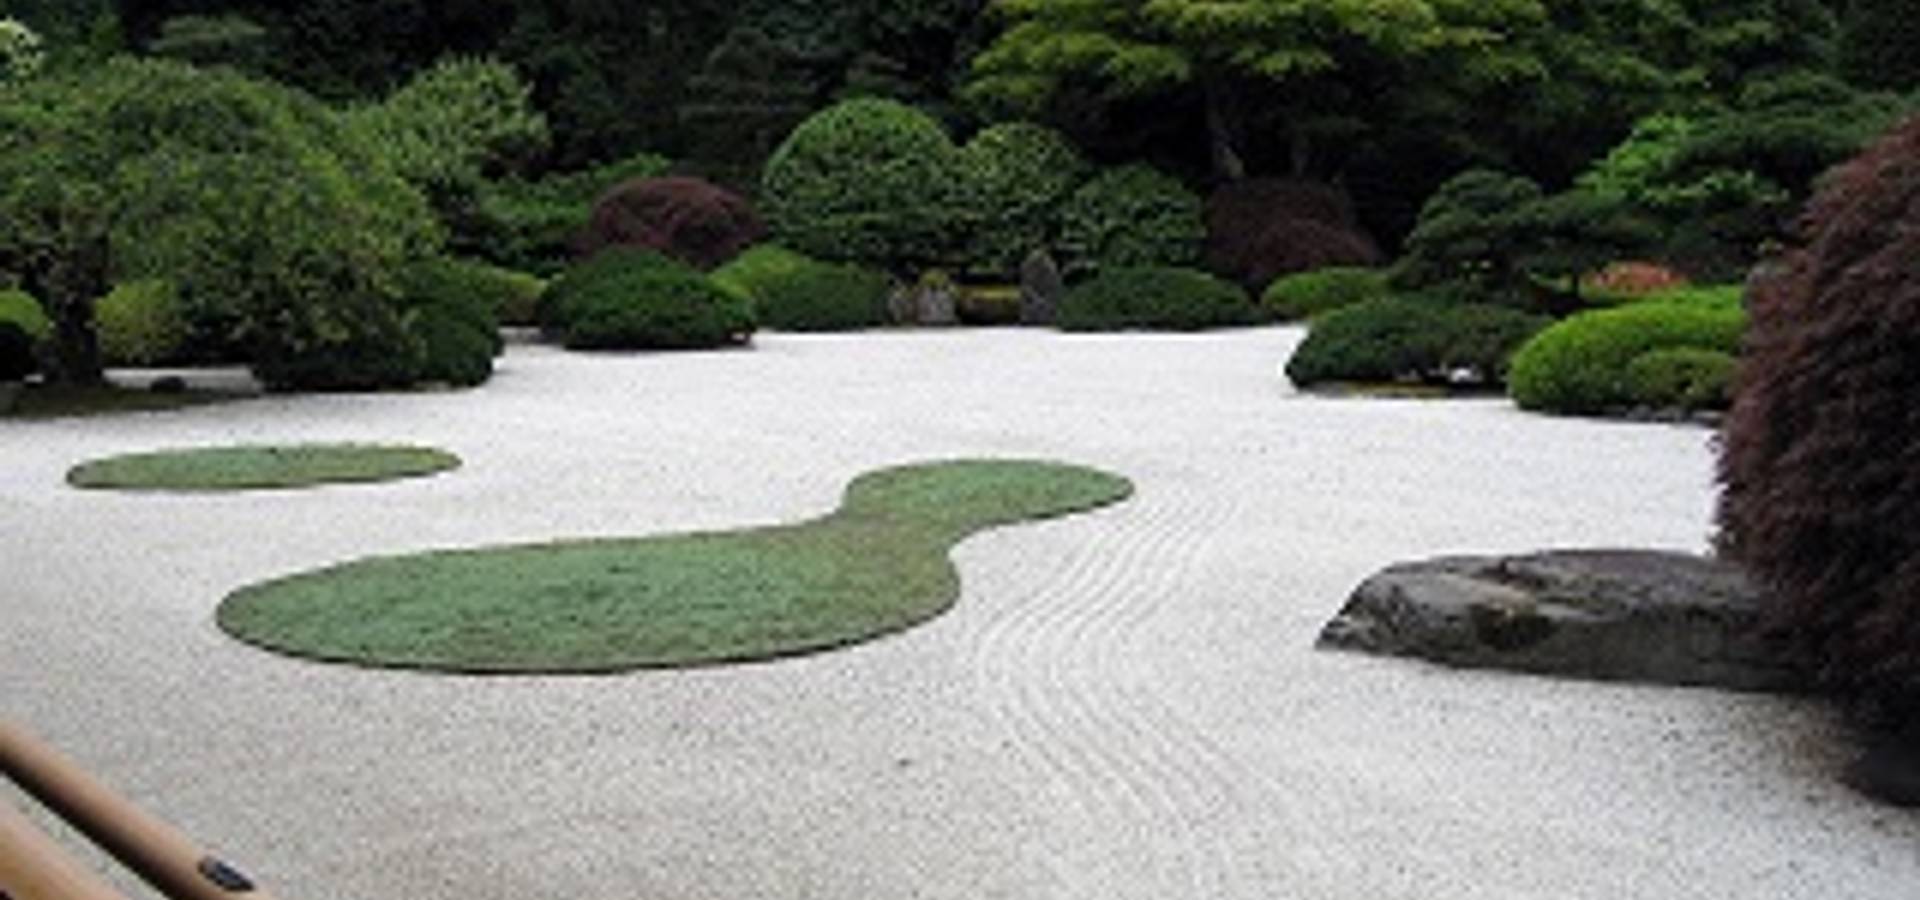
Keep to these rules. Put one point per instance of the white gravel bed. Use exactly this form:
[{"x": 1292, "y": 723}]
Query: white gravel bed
[{"x": 1124, "y": 704}]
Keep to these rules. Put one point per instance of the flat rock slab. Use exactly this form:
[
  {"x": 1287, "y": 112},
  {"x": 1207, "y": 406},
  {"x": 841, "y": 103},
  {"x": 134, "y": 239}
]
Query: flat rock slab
[{"x": 1623, "y": 615}]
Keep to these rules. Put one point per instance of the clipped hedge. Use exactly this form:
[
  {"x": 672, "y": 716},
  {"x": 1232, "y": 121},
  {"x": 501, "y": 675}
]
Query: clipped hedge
[
  {"x": 508, "y": 297},
  {"x": 1018, "y": 175},
  {"x": 1130, "y": 216},
  {"x": 140, "y": 323},
  {"x": 632, "y": 299},
  {"x": 1155, "y": 297},
  {"x": 1402, "y": 339},
  {"x": 870, "y": 181},
  {"x": 1684, "y": 378},
  {"x": 692, "y": 220},
  {"x": 824, "y": 297},
  {"x": 19, "y": 307},
  {"x": 452, "y": 311},
  {"x": 1579, "y": 366},
  {"x": 1309, "y": 294}
]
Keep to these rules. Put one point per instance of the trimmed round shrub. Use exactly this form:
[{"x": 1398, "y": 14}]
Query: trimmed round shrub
[
  {"x": 19, "y": 308},
  {"x": 140, "y": 323},
  {"x": 1309, "y": 294},
  {"x": 1018, "y": 174},
  {"x": 689, "y": 219},
  {"x": 497, "y": 295},
  {"x": 762, "y": 264},
  {"x": 451, "y": 312},
  {"x": 870, "y": 181},
  {"x": 1685, "y": 378},
  {"x": 630, "y": 299},
  {"x": 823, "y": 297},
  {"x": 1260, "y": 229},
  {"x": 1155, "y": 297},
  {"x": 1579, "y": 366},
  {"x": 1821, "y": 456},
  {"x": 1401, "y": 339},
  {"x": 1130, "y": 216},
  {"x": 16, "y": 353}
]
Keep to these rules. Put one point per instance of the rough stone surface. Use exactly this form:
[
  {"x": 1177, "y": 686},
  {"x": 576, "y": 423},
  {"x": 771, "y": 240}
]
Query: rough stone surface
[
  {"x": 1632, "y": 615},
  {"x": 1041, "y": 288},
  {"x": 934, "y": 305}
]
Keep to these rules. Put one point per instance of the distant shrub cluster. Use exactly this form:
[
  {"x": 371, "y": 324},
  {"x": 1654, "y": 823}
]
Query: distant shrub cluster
[
  {"x": 1581, "y": 365},
  {"x": 793, "y": 292},
  {"x": 629, "y": 299},
  {"x": 1155, "y": 297},
  {"x": 1309, "y": 294},
  {"x": 1130, "y": 216},
  {"x": 1396, "y": 339}
]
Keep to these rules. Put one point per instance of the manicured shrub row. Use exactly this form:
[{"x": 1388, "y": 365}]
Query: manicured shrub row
[
  {"x": 1309, "y": 294},
  {"x": 1402, "y": 339},
  {"x": 630, "y": 299},
  {"x": 1580, "y": 365},
  {"x": 1155, "y": 297},
  {"x": 1683, "y": 378}
]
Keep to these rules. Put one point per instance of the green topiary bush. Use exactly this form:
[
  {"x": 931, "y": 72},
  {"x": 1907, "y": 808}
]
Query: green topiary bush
[
  {"x": 824, "y": 297},
  {"x": 16, "y": 353},
  {"x": 1579, "y": 366},
  {"x": 1018, "y": 175},
  {"x": 870, "y": 181},
  {"x": 762, "y": 264},
  {"x": 1686, "y": 378},
  {"x": 633, "y": 299},
  {"x": 498, "y": 295},
  {"x": 1402, "y": 339},
  {"x": 451, "y": 310},
  {"x": 140, "y": 323},
  {"x": 1130, "y": 216},
  {"x": 19, "y": 308},
  {"x": 1309, "y": 294},
  {"x": 1155, "y": 297}
]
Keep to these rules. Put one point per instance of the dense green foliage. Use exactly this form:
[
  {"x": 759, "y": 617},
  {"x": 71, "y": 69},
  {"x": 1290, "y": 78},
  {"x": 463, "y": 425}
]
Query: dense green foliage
[
  {"x": 869, "y": 181},
  {"x": 1398, "y": 339},
  {"x": 1018, "y": 175},
  {"x": 453, "y": 307},
  {"x": 141, "y": 323},
  {"x": 1309, "y": 294},
  {"x": 1684, "y": 378},
  {"x": 1822, "y": 490},
  {"x": 1155, "y": 297},
  {"x": 820, "y": 296},
  {"x": 1129, "y": 216},
  {"x": 19, "y": 308},
  {"x": 877, "y": 565},
  {"x": 1579, "y": 366},
  {"x": 628, "y": 299},
  {"x": 530, "y": 224},
  {"x": 20, "y": 53}
]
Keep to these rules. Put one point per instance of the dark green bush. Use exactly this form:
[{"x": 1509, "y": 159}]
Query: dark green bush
[
  {"x": 1402, "y": 339},
  {"x": 1309, "y": 294},
  {"x": 1685, "y": 378},
  {"x": 140, "y": 323},
  {"x": 497, "y": 295},
  {"x": 452, "y": 311},
  {"x": 1579, "y": 366},
  {"x": 529, "y": 226},
  {"x": 16, "y": 352},
  {"x": 624, "y": 298},
  {"x": 823, "y": 297},
  {"x": 762, "y": 264},
  {"x": 1018, "y": 174},
  {"x": 19, "y": 308},
  {"x": 1155, "y": 297},
  {"x": 1130, "y": 216},
  {"x": 870, "y": 181}
]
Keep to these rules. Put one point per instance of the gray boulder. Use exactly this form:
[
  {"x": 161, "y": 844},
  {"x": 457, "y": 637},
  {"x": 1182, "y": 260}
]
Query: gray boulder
[
  {"x": 1631, "y": 615},
  {"x": 1041, "y": 288}
]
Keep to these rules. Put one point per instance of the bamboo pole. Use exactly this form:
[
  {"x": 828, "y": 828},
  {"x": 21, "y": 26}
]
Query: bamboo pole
[
  {"x": 33, "y": 867},
  {"x": 149, "y": 847}
]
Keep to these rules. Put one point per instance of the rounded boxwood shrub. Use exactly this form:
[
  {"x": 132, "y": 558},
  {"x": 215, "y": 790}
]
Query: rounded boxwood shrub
[
  {"x": 1406, "y": 339},
  {"x": 1155, "y": 297},
  {"x": 1687, "y": 378},
  {"x": 1308, "y": 294},
  {"x": 762, "y": 264},
  {"x": 1018, "y": 174},
  {"x": 1579, "y": 366},
  {"x": 870, "y": 181},
  {"x": 1133, "y": 215},
  {"x": 16, "y": 353},
  {"x": 823, "y": 297},
  {"x": 19, "y": 307},
  {"x": 689, "y": 219},
  {"x": 631, "y": 299},
  {"x": 1822, "y": 489},
  {"x": 140, "y": 323},
  {"x": 451, "y": 312}
]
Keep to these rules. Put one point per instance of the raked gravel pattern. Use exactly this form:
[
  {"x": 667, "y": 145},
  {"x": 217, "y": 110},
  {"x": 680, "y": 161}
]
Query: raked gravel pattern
[{"x": 1124, "y": 704}]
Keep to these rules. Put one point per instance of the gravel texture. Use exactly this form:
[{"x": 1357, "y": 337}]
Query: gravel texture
[{"x": 1124, "y": 704}]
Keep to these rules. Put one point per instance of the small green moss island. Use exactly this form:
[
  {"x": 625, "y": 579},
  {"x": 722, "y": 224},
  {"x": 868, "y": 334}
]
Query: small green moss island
[
  {"x": 246, "y": 468},
  {"x": 875, "y": 566}
]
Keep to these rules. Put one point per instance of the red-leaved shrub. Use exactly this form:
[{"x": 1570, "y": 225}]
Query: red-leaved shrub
[
  {"x": 1821, "y": 460},
  {"x": 694, "y": 221},
  {"x": 1262, "y": 228}
]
